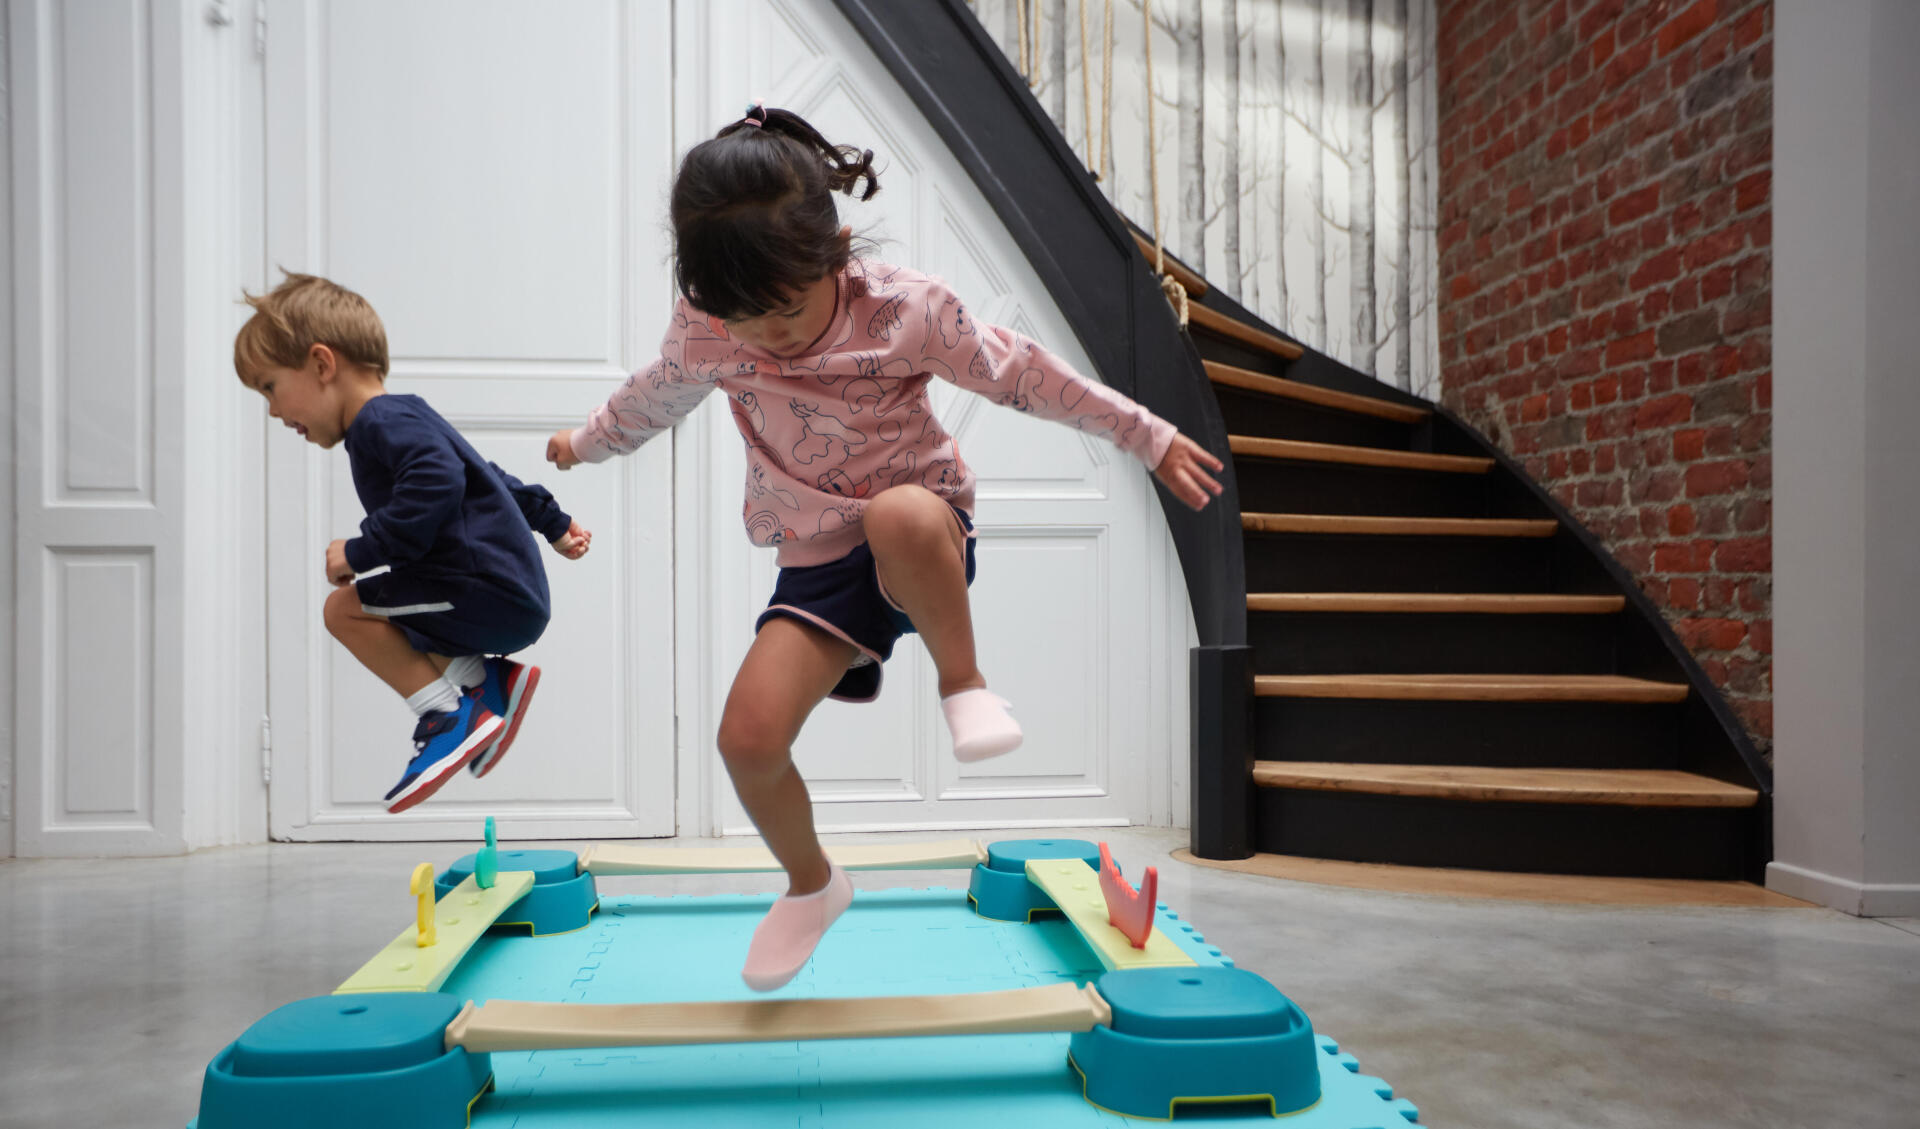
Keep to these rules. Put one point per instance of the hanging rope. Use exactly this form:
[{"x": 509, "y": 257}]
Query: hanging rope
[
  {"x": 1086, "y": 92},
  {"x": 1176, "y": 293},
  {"x": 1025, "y": 71},
  {"x": 1106, "y": 99}
]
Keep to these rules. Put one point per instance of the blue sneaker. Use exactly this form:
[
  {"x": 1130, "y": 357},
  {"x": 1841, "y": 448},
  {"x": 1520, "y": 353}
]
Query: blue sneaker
[
  {"x": 508, "y": 688},
  {"x": 443, "y": 742}
]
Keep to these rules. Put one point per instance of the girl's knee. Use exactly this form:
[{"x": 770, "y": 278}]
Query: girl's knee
[
  {"x": 907, "y": 513},
  {"x": 750, "y": 747}
]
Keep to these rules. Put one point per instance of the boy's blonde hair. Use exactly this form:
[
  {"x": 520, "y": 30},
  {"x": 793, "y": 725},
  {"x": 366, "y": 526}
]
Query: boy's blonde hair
[{"x": 303, "y": 311}]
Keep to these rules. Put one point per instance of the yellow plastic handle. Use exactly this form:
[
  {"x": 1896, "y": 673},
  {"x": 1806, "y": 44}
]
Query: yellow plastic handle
[{"x": 422, "y": 888}]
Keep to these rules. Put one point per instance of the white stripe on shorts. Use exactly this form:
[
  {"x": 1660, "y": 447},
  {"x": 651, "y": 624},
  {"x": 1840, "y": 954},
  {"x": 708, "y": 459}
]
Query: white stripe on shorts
[{"x": 410, "y": 609}]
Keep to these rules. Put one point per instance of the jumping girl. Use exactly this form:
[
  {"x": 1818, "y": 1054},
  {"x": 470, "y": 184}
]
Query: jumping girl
[{"x": 826, "y": 359}]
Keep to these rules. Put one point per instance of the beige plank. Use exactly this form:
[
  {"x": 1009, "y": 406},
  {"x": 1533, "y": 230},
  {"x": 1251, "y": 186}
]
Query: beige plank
[
  {"x": 515, "y": 1025},
  {"x": 1624, "y": 787},
  {"x": 1471, "y": 687},
  {"x": 1564, "y": 889}
]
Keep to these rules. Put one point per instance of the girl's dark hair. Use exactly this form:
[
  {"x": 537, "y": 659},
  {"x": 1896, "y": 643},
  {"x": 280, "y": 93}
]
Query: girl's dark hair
[{"x": 753, "y": 214}]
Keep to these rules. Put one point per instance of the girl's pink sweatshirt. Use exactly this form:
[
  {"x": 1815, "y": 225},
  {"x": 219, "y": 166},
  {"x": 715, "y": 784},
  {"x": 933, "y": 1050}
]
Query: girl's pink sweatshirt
[{"x": 829, "y": 429}]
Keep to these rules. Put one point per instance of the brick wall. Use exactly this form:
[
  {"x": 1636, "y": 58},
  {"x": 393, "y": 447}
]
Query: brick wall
[{"x": 1605, "y": 266}]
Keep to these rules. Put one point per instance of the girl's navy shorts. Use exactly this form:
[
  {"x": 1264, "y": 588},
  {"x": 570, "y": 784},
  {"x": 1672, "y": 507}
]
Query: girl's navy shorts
[
  {"x": 453, "y": 615},
  {"x": 844, "y": 598}
]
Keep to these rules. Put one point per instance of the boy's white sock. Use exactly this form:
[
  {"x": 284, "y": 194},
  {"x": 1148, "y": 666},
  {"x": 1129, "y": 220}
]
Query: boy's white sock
[
  {"x": 467, "y": 671},
  {"x": 437, "y": 696}
]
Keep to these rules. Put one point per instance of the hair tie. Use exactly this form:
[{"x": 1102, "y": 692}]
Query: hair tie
[{"x": 749, "y": 119}]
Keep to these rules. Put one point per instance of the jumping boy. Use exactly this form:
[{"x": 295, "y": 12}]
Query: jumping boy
[{"x": 464, "y": 586}]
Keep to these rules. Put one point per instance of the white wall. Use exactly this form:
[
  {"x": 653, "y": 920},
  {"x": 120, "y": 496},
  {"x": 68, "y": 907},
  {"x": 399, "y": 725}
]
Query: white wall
[
  {"x": 7, "y": 392},
  {"x": 1847, "y": 606},
  {"x": 1251, "y": 214}
]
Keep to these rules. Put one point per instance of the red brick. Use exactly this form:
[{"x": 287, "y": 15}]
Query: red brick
[
  {"x": 1705, "y": 479},
  {"x": 1746, "y": 554},
  {"x": 1664, "y": 267},
  {"x": 1750, "y": 28},
  {"x": 1754, "y": 191},
  {"x": 1634, "y": 205},
  {"x": 1760, "y": 634},
  {"x": 1711, "y": 634},
  {"x": 1664, "y": 412},
  {"x": 1680, "y": 520},
  {"x": 1683, "y": 593},
  {"x": 1689, "y": 445},
  {"x": 1683, "y": 556}
]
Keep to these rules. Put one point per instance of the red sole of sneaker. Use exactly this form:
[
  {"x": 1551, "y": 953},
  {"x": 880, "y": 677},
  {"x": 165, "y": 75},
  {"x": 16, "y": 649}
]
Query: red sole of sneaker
[
  {"x": 441, "y": 775},
  {"x": 516, "y": 712}
]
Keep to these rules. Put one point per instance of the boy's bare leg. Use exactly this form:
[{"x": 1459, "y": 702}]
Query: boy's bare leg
[
  {"x": 789, "y": 669},
  {"x": 921, "y": 551},
  {"x": 380, "y": 646}
]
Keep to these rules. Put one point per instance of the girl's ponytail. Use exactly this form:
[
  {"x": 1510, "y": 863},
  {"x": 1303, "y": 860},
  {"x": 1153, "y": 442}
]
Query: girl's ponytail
[{"x": 847, "y": 165}]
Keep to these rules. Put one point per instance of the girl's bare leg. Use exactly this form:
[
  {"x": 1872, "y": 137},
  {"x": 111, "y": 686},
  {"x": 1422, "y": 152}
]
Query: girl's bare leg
[
  {"x": 921, "y": 551},
  {"x": 789, "y": 669}
]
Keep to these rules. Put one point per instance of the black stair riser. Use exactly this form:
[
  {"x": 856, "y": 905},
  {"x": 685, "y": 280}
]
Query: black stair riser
[
  {"x": 1278, "y": 417},
  {"x": 1233, "y": 353},
  {"x": 1486, "y": 734},
  {"x": 1284, "y": 486},
  {"x": 1339, "y": 562},
  {"x": 1598, "y": 839},
  {"x": 1430, "y": 643}
]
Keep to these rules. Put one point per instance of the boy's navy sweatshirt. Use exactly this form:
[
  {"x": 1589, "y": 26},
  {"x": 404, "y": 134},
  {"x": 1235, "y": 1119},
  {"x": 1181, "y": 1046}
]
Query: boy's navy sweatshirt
[{"x": 434, "y": 506}]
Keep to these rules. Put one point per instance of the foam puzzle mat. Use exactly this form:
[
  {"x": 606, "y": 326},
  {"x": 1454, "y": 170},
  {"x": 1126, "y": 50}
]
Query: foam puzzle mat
[{"x": 639, "y": 949}]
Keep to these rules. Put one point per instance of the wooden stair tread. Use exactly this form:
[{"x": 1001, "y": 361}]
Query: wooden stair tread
[
  {"x": 1398, "y": 526},
  {"x": 1352, "y": 402},
  {"x": 1220, "y": 325},
  {"x": 1611, "y": 688},
  {"x": 1478, "y": 603},
  {"x": 1303, "y": 451},
  {"x": 1182, "y": 273},
  {"x": 1629, "y": 787}
]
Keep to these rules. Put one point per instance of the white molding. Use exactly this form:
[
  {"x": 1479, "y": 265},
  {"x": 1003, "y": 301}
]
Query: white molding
[
  {"x": 9, "y": 397},
  {"x": 1862, "y": 899}
]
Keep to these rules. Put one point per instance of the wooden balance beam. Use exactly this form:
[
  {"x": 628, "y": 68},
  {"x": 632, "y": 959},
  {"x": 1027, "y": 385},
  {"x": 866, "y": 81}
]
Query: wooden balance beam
[
  {"x": 508, "y": 1025},
  {"x": 604, "y": 860}
]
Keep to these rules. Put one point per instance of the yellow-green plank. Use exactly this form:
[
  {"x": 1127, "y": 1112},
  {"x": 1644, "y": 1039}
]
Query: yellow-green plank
[
  {"x": 1075, "y": 888},
  {"x": 458, "y": 920}
]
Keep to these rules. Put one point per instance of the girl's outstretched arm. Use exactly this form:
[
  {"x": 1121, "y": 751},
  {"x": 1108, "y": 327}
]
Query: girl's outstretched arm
[
  {"x": 1016, "y": 372},
  {"x": 651, "y": 400}
]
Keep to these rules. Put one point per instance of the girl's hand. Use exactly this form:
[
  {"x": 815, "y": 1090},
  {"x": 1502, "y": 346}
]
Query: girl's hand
[
  {"x": 1184, "y": 471},
  {"x": 572, "y": 544},
  {"x": 339, "y": 572},
  {"x": 560, "y": 454}
]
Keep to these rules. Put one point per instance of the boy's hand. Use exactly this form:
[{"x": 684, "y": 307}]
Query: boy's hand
[
  {"x": 572, "y": 544},
  {"x": 1184, "y": 471},
  {"x": 339, "y": 572},
  {"x": 560, "y": 454}
]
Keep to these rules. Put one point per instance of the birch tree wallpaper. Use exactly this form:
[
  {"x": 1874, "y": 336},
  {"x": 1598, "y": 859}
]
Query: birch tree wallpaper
[{"x": 1295, "y": 147}]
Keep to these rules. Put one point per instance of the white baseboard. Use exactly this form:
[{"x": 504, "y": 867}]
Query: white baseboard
[{"x": 1862, "y": 899}]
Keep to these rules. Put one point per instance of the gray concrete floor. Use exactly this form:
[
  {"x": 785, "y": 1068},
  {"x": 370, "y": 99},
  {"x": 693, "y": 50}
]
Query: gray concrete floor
[{"x": 119, "y": 979}]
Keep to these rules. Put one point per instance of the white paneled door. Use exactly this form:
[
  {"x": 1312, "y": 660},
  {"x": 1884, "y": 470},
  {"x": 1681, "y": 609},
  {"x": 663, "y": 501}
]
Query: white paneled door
[{"x": 489, "y": 175}]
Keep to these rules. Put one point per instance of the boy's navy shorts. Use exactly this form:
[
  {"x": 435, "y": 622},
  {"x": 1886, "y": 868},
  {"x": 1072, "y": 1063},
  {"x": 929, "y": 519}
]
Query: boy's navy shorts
[
  {"x": 453, "y": 615},
  {"x": 845, "y": 599}
]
